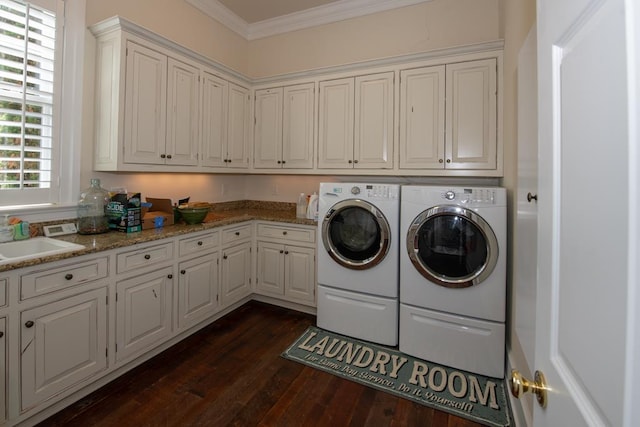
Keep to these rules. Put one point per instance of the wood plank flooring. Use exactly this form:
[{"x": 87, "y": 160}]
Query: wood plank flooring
[{"x": 231, "y": 374}]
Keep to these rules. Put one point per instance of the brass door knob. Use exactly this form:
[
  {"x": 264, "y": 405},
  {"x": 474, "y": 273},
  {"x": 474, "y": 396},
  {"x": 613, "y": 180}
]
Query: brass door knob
[{"x": 521, "y": 385}]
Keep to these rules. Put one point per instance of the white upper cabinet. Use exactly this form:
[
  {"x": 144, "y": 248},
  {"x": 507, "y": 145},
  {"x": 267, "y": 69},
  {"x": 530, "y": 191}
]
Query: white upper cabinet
[
  {"x": 161, "y": 109},
  {"x": 284, "y": 127},
  {"x": 238, "y": 129},
  {"x": 472, "y": 115},
  {"x": 448, "y": 116},
  {"x": 422, "y": 113},
  {"x": 356, "y": 122},
  {"x": 225, "y": 123}
]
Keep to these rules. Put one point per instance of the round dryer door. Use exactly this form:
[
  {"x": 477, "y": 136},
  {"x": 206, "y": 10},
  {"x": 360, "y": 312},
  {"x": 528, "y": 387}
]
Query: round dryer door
[
  {"x": 452, "y": 246},
  {"x": 356, "y": 234}
]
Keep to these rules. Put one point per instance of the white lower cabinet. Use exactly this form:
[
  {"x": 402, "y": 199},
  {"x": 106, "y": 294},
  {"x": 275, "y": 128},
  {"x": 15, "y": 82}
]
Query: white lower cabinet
[
  {"x": 197, "y": 289},
  {"x": 62, "y": 344},
  {"x": 236, "y": 273},
  {"x": 3, "y": 369},
  {"x": 286, "y": 263},
  {"x": 143, "y": 312}
]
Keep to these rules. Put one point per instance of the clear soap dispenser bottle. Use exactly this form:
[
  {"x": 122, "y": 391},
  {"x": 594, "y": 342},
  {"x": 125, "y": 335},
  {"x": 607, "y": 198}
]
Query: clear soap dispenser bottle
[
  {"x": 301, "y": 207},
  {"x": 91, "y": 209}
]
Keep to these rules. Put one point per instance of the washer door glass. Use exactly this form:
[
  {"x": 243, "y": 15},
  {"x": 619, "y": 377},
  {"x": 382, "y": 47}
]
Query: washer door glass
[
  {"x": 452, "y": 246},
  {"x": 356, "y": 234}
]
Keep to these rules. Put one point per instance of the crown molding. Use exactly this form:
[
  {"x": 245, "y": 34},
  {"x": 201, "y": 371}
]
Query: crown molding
[{"x": 333, "y": 12}]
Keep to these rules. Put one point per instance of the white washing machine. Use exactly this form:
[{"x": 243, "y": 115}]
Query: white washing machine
[
  {"x": 453, "y": 276},
  {"x": 358, "y": 247}
]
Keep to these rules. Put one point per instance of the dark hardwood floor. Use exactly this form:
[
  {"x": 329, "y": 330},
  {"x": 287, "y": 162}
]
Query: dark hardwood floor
[{"x": 231, "y": 373}]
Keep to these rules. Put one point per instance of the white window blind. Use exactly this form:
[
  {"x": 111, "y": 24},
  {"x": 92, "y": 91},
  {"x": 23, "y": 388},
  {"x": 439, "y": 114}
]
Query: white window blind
[{"x": 27, "y": 102}]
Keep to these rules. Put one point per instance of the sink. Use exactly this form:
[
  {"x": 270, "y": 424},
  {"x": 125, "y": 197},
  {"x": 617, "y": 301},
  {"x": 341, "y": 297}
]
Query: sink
[{"x": 36, "y": 247}]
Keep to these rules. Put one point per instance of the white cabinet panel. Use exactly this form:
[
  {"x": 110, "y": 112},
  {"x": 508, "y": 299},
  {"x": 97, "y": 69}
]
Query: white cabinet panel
[
  {"x": 145, "y": 105},
  {"x": 336, "y": 117},
  {"x": 143, "y": 312},
  {"x": 284, "y": 128},
  {"x": 300, "y": 274},
  {"x": 238, "y": 131},
  {"x": 197, "y": 289},
  {"x": 422, "y": 110},
  {"x": 236, "y": 273},
  {"x": 215, "y": 101},
  {"x": 471, "y": 115},
  {"x": 270, "y": 278},
  {"x": 183, "y": 97},
  {"x": 373, "y": 140},
  {"x": 356, "y": 122},
  {"x": 63, "y": 343}
]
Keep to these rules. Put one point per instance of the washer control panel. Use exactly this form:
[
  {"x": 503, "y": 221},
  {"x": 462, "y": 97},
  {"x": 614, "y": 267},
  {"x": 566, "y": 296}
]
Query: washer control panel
[{"x": 471, "y": 196}]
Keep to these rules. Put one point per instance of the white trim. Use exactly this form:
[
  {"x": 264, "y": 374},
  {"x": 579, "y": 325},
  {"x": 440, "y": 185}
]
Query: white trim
[{"x": 333, "y": 12}]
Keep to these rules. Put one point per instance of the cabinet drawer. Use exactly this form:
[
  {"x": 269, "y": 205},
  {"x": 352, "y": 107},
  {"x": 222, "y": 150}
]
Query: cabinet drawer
[
  {"x": 43, "y": 282},
  {"x": 236, "y": 234},
  {"x": 194, "y": 245},
  {"x": 287, "y": 233},
  {"x": 150, "y": 255}
]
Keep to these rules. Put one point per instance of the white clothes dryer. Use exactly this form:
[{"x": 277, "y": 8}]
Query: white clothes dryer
[
  {"x": 453, "y": 276},
  {"x": 357, "y": 255}
]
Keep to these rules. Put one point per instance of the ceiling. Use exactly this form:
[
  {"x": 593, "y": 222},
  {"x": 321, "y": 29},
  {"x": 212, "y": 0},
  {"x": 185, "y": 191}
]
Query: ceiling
[
  {"x": 254, "y": 19},
  {"x": 252, "y": 11}
]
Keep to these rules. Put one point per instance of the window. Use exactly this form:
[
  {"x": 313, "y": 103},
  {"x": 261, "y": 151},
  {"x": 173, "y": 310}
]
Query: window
[{"x": 28, "y": 97}]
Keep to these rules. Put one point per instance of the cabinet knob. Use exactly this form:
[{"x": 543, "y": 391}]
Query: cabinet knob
[
  {"x": 350, "y": 161},
  {"x": 284, "y": 161},
  {"x": 229, "y": 160},
  {"x": 440, "y": 161},
  {"x": 169, "y": 276},
  {"x": 183, "y": 271},
  {"x": 224, "y": 256},
  {"x": 286, "y": 252},
  {"x": 1, "y": 334},
  {"x": 200, "y": 243},
  {"x": 29, "y": 324},
  {"x": 168, "y": 156},
  {"x": 237, "y": 233},
  {"x": 147, "y": 256},
  {"x": 448, "y": 160},
  {"x": 163, "y": 156},
  {"x": 355, "y": 161},
  {"x": 284, "y": 233},
  {"x": 281, "y": 251},
  {"x": 68, "y": 276},
  {"x": 279, "y": 162}
]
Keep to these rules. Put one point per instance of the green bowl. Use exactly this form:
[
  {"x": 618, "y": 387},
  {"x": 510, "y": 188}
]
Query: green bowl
[{"x": 193, "y": 215}]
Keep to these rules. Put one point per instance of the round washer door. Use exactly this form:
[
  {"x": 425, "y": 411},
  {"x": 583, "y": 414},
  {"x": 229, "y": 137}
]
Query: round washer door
[
  {"x": 356, "y": 234},
  {"x": 452, "y": 246}
]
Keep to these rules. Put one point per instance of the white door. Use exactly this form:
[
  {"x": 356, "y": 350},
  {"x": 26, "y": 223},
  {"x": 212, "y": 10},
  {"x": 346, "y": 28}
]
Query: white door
[
  {"x": 587, "y": 331},
  {"x": 297, "y": 126},
  {"x": 183, "y": 113},
  {"x": 238, "y": 127},
  {"x": 268, "y": 128},
  {"x": 335, "y": 128},
  {"x": 214, "y": 120}
]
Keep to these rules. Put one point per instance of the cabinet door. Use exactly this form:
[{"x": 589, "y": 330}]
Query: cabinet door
[
  {"x": 422, "y": 118},
  {"x": 297, "y": 126},
  {"x": 268, "y": 129},
  {"x": 143, "y": 312},
  {"x": 335, "y": 128},
  {"x": 236, "y": 273},
  {"x": 145, "y": 105},
  {"x": 3, "y": 370},
  {"x": 197, "y": 289},
  {"x": 270, "y": 280},
  {"x": 183, "y": 97},
  {"x": 300, "y": 274},
  {"x": 215, "y": 102},
  {"x": 238, "y": 127},
  {"x": 373, "y": 139},
  {"x": 471, "y": 136},
  {"x": 63, "y": 343}
]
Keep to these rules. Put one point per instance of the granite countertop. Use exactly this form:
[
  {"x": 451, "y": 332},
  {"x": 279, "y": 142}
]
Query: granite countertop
[{"x": 221, "y": 215}]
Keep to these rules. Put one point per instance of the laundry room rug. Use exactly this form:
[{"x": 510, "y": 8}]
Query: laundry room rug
[{"x": 471, "y": 396}]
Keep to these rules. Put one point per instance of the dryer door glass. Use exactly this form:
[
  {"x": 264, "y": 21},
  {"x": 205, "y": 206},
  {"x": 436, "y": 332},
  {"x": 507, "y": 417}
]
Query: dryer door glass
[
  {"x": 452, "y": 246},
  {"x": 356, "y": 234}
]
